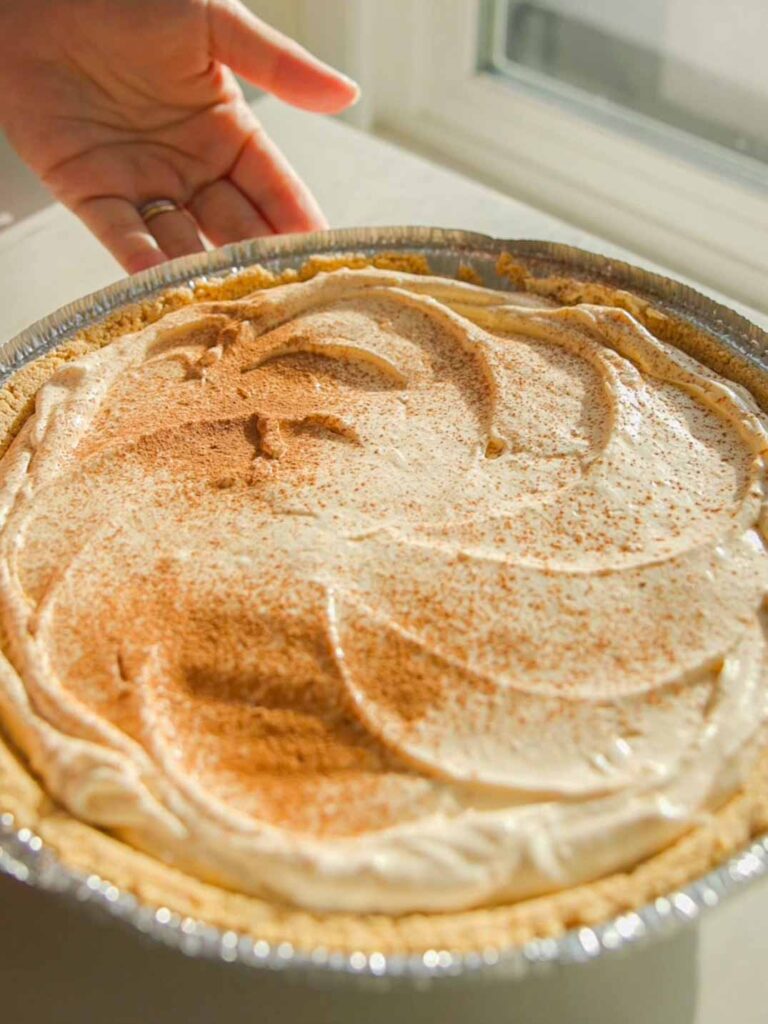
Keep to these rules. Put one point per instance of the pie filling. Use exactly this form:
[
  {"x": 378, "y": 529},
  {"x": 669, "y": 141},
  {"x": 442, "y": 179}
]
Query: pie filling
[{"x": 382, "y": 592}]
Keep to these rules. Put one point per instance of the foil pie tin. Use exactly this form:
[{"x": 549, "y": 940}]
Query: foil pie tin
[{"x": 25, "y": 857}]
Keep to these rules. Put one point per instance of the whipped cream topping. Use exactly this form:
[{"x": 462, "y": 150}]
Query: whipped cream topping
[{"x": 382, "y": 592}]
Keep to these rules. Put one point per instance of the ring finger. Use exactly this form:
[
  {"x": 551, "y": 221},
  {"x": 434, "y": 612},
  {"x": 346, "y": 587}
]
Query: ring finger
[{"x": 175, "y": 232}]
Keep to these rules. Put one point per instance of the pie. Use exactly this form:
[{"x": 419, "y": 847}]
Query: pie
[{"x": 372, "y": 610}]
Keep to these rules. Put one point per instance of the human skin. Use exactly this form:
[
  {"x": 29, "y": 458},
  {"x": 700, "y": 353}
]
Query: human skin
[{"x": 113, "y": 103}]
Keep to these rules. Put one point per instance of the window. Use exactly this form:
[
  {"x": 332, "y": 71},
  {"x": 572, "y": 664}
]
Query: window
[{"x": 693, "y": 66}]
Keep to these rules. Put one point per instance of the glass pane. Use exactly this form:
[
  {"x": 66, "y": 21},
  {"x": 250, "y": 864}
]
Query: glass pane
[{"x": 695, "y": 65}]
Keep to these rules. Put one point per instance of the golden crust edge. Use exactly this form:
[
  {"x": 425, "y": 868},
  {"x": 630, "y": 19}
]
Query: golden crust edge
[{"x": 88, "y": 849}]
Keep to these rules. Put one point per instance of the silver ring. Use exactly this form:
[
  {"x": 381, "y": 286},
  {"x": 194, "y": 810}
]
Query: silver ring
[{"x": 154, "y": 207}]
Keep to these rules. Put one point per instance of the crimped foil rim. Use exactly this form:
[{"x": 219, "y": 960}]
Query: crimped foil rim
[{"x": 25, "y": 857}]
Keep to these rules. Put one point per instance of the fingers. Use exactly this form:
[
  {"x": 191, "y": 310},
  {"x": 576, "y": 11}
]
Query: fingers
[
  {"x": 134, "y": 244},
  {"x": 274, "y": 62},
  {"x": 118, "y": 226},
  {"x": 263, "y": 195},
  {"x": 225, "y": 215},
  {"x": 265, "y": 177},
  {"x": 176, "y": 233}
]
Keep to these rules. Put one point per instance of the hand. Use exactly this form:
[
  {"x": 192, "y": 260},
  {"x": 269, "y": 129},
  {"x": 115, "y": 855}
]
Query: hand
[{"x": 116, "y": 102}]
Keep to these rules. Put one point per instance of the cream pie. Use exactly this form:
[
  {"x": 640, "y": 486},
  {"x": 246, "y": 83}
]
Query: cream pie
[{"x": 371, "y": 609}]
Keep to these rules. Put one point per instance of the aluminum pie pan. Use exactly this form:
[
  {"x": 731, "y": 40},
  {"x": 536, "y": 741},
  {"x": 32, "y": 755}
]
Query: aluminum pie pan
[{"x": 25, "y": 857}]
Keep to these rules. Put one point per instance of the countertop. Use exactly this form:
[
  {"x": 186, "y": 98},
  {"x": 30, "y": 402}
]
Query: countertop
[{"x": 59, "y": 965}]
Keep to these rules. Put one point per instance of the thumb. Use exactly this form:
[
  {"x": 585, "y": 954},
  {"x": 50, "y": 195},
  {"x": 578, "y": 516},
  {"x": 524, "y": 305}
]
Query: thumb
[{"x": 274, "y": 62}]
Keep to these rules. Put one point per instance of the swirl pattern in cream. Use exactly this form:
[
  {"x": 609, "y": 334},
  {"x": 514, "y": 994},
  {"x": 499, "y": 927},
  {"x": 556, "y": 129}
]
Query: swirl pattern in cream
[{"x": 386, "y": 593}]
